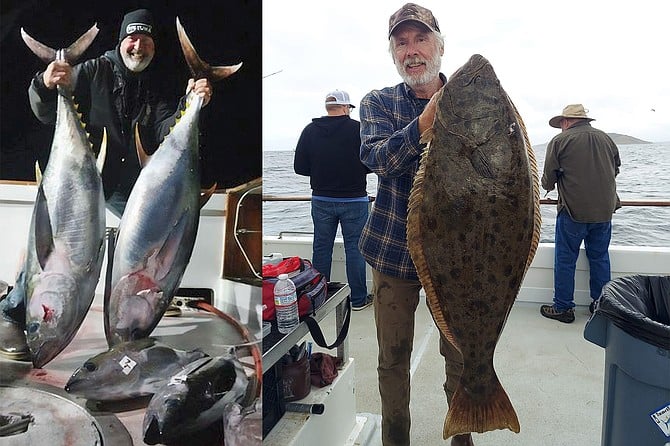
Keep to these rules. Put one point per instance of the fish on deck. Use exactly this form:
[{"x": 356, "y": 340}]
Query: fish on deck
[
  {"x": 129, "y": 370},
  {"x": 196, "y": 398},
  {"x": 473, "y": 227}
]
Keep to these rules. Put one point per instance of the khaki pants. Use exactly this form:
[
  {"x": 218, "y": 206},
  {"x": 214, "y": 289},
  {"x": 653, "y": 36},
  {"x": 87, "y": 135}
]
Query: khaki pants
[{"x": 395, "y": 303}]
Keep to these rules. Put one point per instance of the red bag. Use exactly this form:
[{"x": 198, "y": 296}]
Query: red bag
[
  {"x": 290, "y": 266},
  {"x": 311, "y": 286}
]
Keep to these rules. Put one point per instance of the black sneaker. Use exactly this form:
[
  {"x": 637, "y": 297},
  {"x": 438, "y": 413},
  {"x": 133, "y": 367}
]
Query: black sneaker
[
  {"x": 364, "y": 305},
  {"x": 551, "y": 312}
]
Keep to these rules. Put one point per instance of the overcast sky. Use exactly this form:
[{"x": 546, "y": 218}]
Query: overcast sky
[{"x": 610, "y": 56}]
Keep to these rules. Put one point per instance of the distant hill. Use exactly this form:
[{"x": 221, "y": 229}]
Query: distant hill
[
  {"x": 625, "y": 139},
  {"x": 618, "y": 139}
]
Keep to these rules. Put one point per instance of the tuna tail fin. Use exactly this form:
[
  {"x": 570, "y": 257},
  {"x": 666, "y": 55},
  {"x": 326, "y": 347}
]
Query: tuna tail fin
[
  {"x": 198, "y": 67},
  {"x": 469, "y": 415},
  {"x": 71, "y": 53}
]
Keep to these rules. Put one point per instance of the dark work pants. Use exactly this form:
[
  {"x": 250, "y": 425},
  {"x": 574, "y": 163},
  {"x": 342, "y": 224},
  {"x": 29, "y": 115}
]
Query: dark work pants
[{"x": 395, "y": 303}]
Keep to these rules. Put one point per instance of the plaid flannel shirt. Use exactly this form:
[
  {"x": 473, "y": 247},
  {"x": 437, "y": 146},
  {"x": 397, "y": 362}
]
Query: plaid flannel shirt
[{"x": 390, "y": 148}]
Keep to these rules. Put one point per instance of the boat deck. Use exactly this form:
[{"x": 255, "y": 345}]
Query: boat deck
[
  {"x": 116, "y": 423},
  {"x": 553, "y": 376}
]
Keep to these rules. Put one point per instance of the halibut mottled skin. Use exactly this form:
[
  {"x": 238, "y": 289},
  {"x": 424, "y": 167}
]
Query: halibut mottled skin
[{"x": 473, "y": 227}]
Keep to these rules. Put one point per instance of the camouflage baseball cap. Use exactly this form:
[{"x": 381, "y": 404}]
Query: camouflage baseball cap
[{"x": 412, "y": 11}]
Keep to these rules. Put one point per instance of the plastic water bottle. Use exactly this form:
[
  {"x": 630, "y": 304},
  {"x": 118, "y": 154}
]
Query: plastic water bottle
[{"x": 286, "y": 304}]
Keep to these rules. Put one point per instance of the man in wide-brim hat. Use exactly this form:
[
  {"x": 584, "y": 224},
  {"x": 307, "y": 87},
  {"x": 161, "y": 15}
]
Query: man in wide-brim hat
[
  {"x": 584, "y": 162},
  {"x": 570, "y": 112}
]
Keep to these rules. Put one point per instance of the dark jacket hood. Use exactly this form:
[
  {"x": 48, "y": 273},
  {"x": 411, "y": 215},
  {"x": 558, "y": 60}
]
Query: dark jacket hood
[{"x": 327, "y": 125}]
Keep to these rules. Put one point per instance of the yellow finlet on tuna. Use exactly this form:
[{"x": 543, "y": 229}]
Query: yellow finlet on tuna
[{"x": 38, "y": 173}]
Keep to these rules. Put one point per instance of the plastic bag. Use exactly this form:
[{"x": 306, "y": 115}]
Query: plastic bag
[{"x": 639, "y": 305}]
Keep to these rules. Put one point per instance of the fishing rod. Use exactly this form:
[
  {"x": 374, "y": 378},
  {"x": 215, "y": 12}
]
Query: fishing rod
[{"x": 272, "y": 74}]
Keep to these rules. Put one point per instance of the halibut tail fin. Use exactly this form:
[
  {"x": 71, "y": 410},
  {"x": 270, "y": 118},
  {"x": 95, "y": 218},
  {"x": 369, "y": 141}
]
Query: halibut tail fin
[{"x": 467, "y": 415}]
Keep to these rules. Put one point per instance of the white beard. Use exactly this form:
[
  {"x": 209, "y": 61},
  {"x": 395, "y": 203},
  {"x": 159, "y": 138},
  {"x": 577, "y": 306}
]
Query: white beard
[
  {"x": 136, "y": 65},
  {"x": 431, "y": 72}
]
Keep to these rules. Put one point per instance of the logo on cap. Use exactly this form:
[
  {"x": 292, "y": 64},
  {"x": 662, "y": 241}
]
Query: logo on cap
[{"x": 133, "y": 28}]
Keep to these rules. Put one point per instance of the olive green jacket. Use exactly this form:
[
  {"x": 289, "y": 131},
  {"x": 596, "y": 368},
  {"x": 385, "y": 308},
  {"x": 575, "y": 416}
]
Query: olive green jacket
[{"x": 584, "y": 162}]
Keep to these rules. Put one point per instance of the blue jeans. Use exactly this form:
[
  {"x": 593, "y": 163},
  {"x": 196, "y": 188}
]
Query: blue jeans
[
  {"x": 326, "y": 216},
  {"x": 568, "y": 238}
]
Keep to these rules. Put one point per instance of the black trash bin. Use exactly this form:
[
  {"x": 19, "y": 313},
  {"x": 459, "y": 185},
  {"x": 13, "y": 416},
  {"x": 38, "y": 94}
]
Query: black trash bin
[{"x": 632, "y": 322}]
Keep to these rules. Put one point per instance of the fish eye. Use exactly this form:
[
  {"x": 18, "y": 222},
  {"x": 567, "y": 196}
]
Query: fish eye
[
  {"x": 90, "y": 366},
  {"x": 33, "y": 327}
]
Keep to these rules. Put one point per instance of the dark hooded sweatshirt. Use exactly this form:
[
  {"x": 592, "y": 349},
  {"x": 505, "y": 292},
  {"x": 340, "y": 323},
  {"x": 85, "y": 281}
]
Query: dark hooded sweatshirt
[
  {"x": 111, "y": 96},
  {"x": 328, "y": 151}
]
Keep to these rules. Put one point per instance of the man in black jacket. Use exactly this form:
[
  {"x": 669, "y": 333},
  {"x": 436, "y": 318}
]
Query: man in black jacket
[
  {"x": 116, "y": 91},
  {"x": 328, "y": 152}
]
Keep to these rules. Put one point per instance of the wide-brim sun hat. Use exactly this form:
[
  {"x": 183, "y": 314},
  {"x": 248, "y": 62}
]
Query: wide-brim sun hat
[{"x": 573, "y": 111}]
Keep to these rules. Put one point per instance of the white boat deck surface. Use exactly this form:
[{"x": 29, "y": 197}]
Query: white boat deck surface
[
  {"x": 553, "y": 376},
  {"x": 192, "y": 329}
]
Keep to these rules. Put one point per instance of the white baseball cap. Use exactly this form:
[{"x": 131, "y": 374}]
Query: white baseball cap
[{"x": 341, "y": 98}]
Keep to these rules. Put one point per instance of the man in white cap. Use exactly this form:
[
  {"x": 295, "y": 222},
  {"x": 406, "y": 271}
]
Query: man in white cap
[
  {"x": 392, "y": 120},
  {"x": 328, "y": 153},
  {"x": 584, "y": 162}
]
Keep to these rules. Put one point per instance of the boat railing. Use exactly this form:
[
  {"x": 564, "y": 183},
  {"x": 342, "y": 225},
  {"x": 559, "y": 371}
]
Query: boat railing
[{"x": 543, "y": 201}]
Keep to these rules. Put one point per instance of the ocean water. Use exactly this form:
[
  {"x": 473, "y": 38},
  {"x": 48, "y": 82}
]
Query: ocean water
[{"x": 645, "y": 175}]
